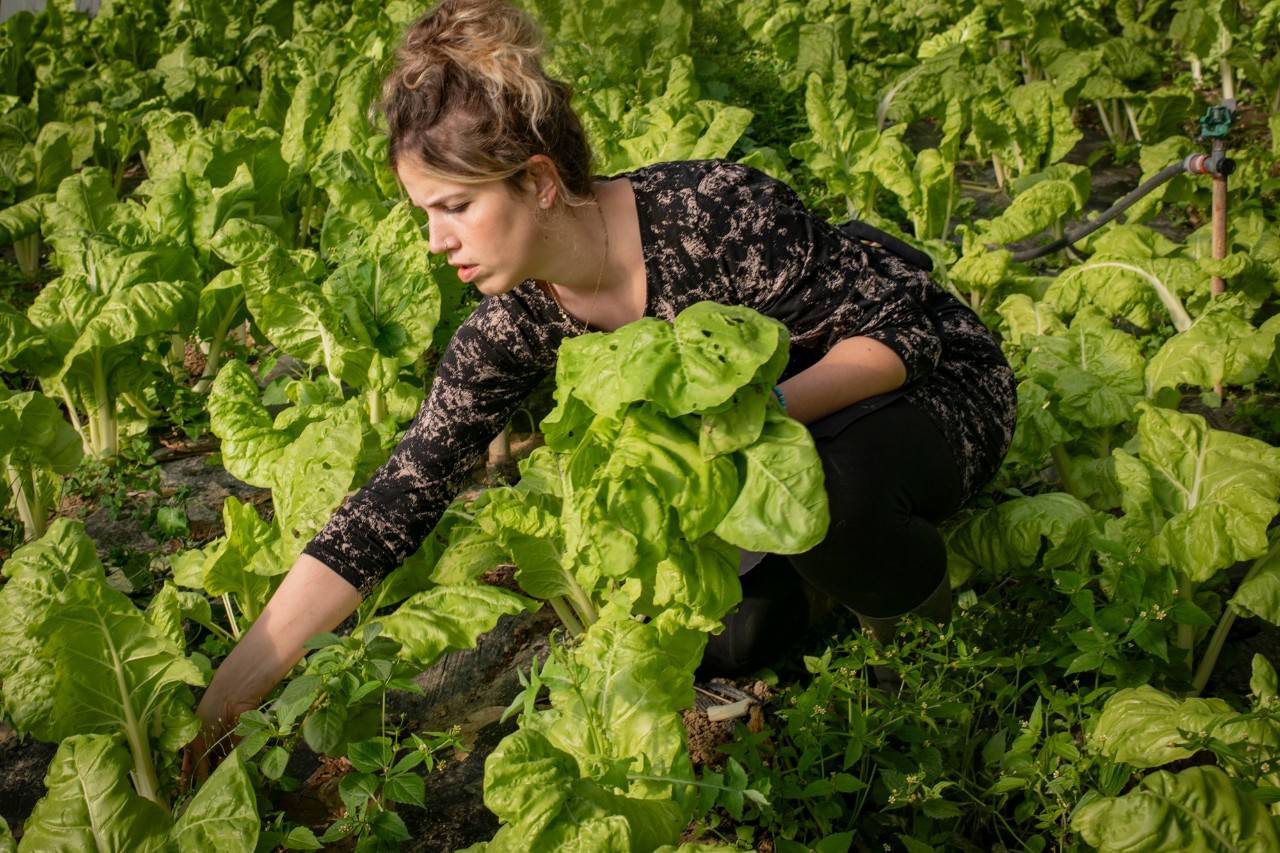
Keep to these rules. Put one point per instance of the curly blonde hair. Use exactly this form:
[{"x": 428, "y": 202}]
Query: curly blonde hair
[{"x": 469, "y": 101}]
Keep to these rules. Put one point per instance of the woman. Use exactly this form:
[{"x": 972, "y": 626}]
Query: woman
[{"x": 907, "y": 395}]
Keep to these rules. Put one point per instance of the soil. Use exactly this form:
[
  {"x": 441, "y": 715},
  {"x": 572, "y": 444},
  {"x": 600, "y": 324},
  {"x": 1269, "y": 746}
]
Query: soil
[{"x": 22, "y": 783}]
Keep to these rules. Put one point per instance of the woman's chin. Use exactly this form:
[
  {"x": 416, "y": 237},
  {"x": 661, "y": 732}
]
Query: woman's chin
[{"x": 493, "y": 285}]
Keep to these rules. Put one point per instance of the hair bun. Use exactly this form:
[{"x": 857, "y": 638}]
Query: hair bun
[{"x": 468, "y": 97}]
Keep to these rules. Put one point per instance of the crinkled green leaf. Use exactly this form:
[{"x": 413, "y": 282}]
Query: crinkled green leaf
[
  {"x": 1093, "y": 371},
  {"x": 695, "y": 365},
  {"x": 90, "y": 804},
  {"x": 33, "y": 432},
  {"x": 615, "y": 700},
  {"x": 1259, "y": 593},
  {"x": 1049, "y": 530},
  {"x": 535, "y": 790},
  {"x": 223, "y": 815},
  {"x": 981, "y": 271},
  {"x": 443, "y": 618},
  {"x": 1024, "y": 317},
  {"x": 1221, "y": 346},
  {"x": 1140, "y": 726},
  {"x": 782, "y": 507},
  {"x": 1033, "y": 211},
  {"x": 1144, "y": 292},
  {"x": 37, "y": 573},
  {"x": 1038, "y": 430},
  {"x": 112, "y": 671},
  {"x": 1209, "y": 495},
  {"x": 22, "y": 219},
  {"x": 1200, "y": 808}
]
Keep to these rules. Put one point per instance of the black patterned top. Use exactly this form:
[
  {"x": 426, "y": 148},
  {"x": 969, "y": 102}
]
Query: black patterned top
[{"x": 711, "y": 230}]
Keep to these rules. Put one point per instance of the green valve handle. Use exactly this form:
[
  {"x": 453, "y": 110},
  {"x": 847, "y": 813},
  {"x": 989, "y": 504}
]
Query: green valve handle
[{"x": 1216, "y": 121}]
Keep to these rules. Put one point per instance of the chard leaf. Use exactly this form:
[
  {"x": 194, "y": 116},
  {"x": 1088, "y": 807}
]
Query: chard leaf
[
  {"x": 313, "y": 475},
  {"x": 535, "y": 790},
  {"x": 1013, "y": 535},
  {"x": 444, "y": 618},
  {"x": 112, "y": 671},
  {"x": 304, "y": 122},
  {"x": 170, "y": 606},
  {"x": 526, "y": 527},
  {"x": 1036, "y": 209},
  {"x": 223, "y": 815},
  {"x": 1023, "y": 317},
  {"x": 981, "y": 270},
  {"x": 615, "y": 701},
  {"x": 90, "y": 804},
  {"x": 1263, "y": 683},
  {"x": 1208, "y": 495},
  {"x": 1140, "y": 726},
  {"x": 37, "y": 573},
  {"x": 386, "y": 294},
  {"x": 33, "y": 432},
  {"x": 1259, "y": 593},
  {"x": 696, "y": 585},
  {"x": 297, "y": 318},
  {"x": 739, "y": 425},
  {"x": 1197, "y": 809},
  {"x": 251, "y": 445},
  {"x": 22, "y": 344},
  {"x": 1037, "y": 430},
  {"x": 22, "y": 219},
  {"x": 695, "y": 365},
  {"x": 1221, "y": 346},
  {"x": 128, "y": 316},
  {"x": 666, "y": 454},
  {"x": 1093, "y": 371},
  {"x": 1143, "y": 292},
  {"x": 782, "y": 507}
]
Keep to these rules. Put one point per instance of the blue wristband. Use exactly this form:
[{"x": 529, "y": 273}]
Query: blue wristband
[{"x": 782, "y": 401}]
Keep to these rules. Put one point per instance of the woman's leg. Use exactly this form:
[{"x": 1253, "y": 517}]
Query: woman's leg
[
  {"x": 890, "y": 477},
  {"x": 774, "y": 613}
]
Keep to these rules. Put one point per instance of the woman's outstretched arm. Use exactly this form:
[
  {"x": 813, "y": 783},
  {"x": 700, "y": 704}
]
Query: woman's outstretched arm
[{"x": 311, "y": 600}]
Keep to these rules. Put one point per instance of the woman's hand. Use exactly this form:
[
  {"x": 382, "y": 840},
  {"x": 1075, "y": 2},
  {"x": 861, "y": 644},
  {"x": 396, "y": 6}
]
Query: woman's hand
[{"x": 312, "y": 599}]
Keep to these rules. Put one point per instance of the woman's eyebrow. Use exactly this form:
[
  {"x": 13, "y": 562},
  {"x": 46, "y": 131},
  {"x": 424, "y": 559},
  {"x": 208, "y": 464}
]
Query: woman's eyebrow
[{"x": 440, "y": 201}]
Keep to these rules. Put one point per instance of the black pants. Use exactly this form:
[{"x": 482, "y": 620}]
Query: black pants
[{"x": 890, "y": 479}]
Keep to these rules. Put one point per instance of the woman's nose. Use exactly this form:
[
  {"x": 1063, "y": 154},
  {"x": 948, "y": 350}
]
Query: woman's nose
[{"x": 439, "y": 241}]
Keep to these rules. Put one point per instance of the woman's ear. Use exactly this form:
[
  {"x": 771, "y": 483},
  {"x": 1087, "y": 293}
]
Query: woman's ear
[{"x": 543, "y": 180}]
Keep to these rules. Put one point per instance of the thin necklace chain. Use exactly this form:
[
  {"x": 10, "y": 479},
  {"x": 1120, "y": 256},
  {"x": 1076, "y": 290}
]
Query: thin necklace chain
[
  {"x": 604, "y": 260},
  {"x": 595, "y": 291}
]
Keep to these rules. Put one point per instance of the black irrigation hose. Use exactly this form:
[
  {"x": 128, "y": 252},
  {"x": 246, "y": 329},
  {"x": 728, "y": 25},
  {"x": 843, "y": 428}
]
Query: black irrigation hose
[{"x": 1166, "y": 174}]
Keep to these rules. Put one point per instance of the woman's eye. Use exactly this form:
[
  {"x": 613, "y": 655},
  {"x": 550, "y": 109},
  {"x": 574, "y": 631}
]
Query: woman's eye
[{"x": 457, "y": 208}]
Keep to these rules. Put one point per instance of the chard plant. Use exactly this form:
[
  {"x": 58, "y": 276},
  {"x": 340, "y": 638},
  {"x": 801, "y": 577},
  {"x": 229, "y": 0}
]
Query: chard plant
[
  {"x": 34, "y": 167},
  {"x": 626, "y": 523},
  {"x": 1147, "y": 729},
  {"x": 111, "y": 684},
  {"x": 309, "y": 456},
  {"x": 123, "y": 289},
  {"x": 371, "y": 318},
  {"x": 37, "y": 445}
]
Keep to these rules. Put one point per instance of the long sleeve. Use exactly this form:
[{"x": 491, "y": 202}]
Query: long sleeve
[{"x": 490, "y": 365}]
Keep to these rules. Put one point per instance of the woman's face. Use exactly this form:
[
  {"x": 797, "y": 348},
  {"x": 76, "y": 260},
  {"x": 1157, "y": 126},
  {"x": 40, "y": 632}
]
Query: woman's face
[{"x": 486, "y": 231}]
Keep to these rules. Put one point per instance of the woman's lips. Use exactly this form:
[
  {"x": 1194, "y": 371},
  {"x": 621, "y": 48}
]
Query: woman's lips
[{"x": 467, "y": 271}]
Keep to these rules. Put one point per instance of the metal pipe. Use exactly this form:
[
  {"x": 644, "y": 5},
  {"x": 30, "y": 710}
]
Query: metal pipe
[
  {"x": 1219, "y": 214},
  {"x": 1217, "y": 285}
]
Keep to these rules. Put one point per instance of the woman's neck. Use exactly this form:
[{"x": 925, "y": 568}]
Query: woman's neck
[{"x": 605, "y": 289}]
